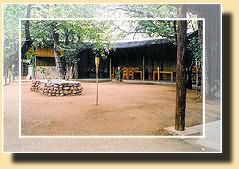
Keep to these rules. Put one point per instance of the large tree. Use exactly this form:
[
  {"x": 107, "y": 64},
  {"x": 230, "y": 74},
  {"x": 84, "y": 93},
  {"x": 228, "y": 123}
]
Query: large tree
[
  {"x": 67, "y": 38},
  {"x": 181, "y": 72},
  {"x": 57, "y": 51}
]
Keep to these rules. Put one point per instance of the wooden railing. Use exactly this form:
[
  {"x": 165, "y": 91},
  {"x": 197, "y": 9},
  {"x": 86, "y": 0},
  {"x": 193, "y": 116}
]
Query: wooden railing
[
  {"x": 129, "y": 73},
  {"x": 156, "y": 73}
]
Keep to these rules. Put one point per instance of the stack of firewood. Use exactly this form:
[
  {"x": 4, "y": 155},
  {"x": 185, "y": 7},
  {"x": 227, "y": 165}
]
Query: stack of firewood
[{"x": 57, "y": 89}]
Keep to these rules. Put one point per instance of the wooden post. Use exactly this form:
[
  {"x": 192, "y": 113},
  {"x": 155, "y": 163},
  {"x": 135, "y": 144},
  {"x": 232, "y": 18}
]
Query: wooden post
[
  {"x": 143, "y": 68},
  {"x": 158, "y": 73},
  {"x": 113, "y": 72},
  {"x": 97, "y": 90},
  {"x": 97, "y": 62},
  {"x": 119, "y": 72},
  {"x": 110, "y": 70}
]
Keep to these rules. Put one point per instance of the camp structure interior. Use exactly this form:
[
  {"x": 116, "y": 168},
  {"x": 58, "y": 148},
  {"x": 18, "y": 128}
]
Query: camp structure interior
[
  {"x": 147, "y": 60},
  {"x": 137, "y": 60}
]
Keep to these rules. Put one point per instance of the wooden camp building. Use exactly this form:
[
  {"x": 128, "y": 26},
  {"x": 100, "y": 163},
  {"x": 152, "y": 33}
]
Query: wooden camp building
[{"x": 138, "y": 60}]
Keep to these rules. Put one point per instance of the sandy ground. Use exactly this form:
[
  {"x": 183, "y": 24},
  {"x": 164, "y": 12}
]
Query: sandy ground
[{"x": 124, "y": 109}]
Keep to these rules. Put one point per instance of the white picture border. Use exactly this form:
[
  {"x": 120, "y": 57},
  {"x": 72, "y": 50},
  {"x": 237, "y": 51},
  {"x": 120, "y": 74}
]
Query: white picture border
[{"x": 112, "y": 136}]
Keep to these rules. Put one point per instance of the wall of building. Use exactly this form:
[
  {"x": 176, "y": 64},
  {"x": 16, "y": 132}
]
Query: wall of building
[{"x": 46, "y": 72}]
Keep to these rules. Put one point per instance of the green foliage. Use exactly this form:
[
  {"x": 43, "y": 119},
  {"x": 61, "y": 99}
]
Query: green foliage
[
  {"x": 73, "y": 37},
  {"x": 41, "y": 34},
  {"x": 195, "y": 47},
  {"x": 12, "y": 13},
  {"x": 11, "y": 23},
  {"x": 41, "y": 69},
  {"x": 158, "y": 28},
  {"x": 30, "y": 54}
]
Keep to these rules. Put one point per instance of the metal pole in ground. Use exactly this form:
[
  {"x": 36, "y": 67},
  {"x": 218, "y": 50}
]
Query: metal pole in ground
[
  {"x": 97, "y": 62},
  {"x": 97, "y": 90}
]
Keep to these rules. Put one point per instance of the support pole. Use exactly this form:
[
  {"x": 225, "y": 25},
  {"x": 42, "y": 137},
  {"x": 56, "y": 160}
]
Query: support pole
[
  {"x": 97, "y": 88},
  {"x": 110, "y": 70},
  {"x": 119, "y": 72},
  {"x": 158, "y": 73},
  {"x": 113, "y": 72},
  {"x": 143, "y": 68},
  {"x": 97, "y": 63}
]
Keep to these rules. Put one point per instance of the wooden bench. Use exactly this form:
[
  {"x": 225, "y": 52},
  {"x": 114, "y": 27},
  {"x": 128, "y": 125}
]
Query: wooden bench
[
  {"x": 129, "y": 73},
  {"x": 125, "y": 73},
  {"x": 158, "y": 72}
]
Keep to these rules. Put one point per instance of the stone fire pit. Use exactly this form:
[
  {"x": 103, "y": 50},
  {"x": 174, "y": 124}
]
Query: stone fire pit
[{"x": 57, "y": 87}]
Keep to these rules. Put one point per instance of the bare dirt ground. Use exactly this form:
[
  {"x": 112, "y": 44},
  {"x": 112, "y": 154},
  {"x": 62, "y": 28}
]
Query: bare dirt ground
[{"x": 124, "y": 109}]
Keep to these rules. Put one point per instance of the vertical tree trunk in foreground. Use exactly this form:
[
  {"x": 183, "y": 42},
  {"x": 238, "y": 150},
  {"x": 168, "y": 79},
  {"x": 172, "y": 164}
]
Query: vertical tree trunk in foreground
[{"x": 181, "y": 76}]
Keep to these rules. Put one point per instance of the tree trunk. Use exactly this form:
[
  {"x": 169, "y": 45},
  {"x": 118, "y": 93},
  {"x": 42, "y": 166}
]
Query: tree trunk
[
  {"x": 59, "y": 64},
  {"x": 200, "y": 40},
  {"x": 28, "y": 41},
  {"x": 175, "y": 30},
  {"x": 181, "y": 75},
  {"x": 6, "y": 82},
  {"x": 75, "y": 71}
]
